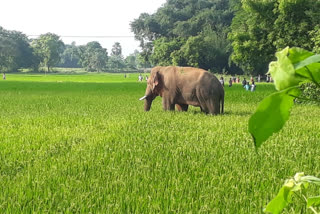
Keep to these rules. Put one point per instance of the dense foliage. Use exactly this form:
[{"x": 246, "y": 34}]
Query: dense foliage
[
  {"x": 15, "y": 51},
  {"x": 70, "y": 57},
  {"x": 216, "y": 34},
  {"x": 93, "y": 56},
  {"x": 310, "y": 93},
  {"x": 260, "y": 28},
  {"x": 187, "y": 32},
  {"x": 48, "y": 48}
]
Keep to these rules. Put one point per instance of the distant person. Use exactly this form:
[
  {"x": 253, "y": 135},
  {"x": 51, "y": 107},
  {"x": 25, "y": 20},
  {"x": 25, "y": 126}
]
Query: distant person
[
  {"x": 4, "y": 76},
  {"x": 267, "y": 78},
  {"x": 222, "y": 81},
  {"x": 140, "y": 78},
  {"x": 244, "y": 82},
  {"x": 125, "y": 75},
  {"x": 238, "y": 79},
  {"x": 259, "y": 78},
  {"x": 230, "y": 82},
  {"x": 247, "y": 86},
  {"x": 146, "y": 77},
  {"x": 253, "y": 86},
  {"x": 251, "y": 78}
]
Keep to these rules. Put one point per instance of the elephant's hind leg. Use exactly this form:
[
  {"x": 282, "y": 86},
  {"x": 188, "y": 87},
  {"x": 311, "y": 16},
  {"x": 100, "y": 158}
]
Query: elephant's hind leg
[
  {"x": 208, "y": 103},
  {"x": 213, "y": 106},
  {"x": 182, "y": 107},
  {"x": 202, "y": 100}
]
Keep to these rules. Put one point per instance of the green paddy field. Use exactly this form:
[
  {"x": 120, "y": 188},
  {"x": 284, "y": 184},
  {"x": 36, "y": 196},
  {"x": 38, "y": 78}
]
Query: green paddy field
[{"x": 83, "y": 144}]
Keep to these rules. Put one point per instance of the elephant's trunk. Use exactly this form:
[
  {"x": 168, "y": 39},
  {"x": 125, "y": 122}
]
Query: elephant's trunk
[{"x": 147, "y": 104}]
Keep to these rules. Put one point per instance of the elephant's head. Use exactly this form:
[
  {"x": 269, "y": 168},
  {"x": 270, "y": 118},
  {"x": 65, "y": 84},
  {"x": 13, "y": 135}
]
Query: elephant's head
[{"x": 154, "y": 88}]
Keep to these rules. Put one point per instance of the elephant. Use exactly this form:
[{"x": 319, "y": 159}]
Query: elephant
[{"x": 184, "y": 86}]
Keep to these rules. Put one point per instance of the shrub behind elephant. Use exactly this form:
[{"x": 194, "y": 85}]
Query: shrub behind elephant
[{"x": 184, "y": 86}]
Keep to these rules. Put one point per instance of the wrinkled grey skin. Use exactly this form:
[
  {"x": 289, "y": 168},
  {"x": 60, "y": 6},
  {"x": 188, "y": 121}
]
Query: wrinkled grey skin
[{"x": 184, "y": 86}]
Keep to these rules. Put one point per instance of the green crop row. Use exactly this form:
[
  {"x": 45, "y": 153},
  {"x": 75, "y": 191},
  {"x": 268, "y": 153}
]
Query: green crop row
[{"x": 83, "y": 143}]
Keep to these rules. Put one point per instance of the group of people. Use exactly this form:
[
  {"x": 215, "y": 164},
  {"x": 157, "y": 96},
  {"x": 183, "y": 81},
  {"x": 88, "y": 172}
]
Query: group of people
[
  {"x": 246, "y": 84},
  {"x": 140, "y": 78}
]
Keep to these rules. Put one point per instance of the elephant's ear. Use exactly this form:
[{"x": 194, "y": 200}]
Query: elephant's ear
[{"x": 156, "y": 80}]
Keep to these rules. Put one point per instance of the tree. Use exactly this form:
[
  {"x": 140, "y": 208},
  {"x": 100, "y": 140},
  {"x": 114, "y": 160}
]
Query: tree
[
  {"x": 131, "y": 61},
  {"x": 295, "y": 20},
  {"x": 15, "y": 51},
  {"x": 93, "y": 57},
  {"x": 144, "y": 60},
  {"x": 252, "y": 49},
  {"x": 70, "y": 57},
  {"x": 145, "y": 29},
  {"x": 116, "y": 63},
  {"x": 48, "y": 47},
  {"x": 8, "y": 51},
  {"x": 262, "y": 27},
  {"x": 116, "y": 49},
  {"x": 162, "y": 48},
  {"x": 195, "y": 52},
  {"x": 25, "y": 56},
  {"x": 162, "y": 34}
]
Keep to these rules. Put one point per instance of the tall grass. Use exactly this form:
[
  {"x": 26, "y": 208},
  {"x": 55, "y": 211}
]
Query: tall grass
[{"x": 83, "y": 143}]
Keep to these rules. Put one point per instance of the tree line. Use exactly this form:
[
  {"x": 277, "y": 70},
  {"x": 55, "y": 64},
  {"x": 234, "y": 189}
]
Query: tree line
[
  {"x": 48, "y": 50},
  {"x": 226, "y": 36},
  {"x": 223, "y": 36}
]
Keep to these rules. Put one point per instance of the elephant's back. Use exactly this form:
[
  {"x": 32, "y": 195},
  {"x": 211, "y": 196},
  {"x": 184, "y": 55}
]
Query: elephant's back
[
  {"x": 209, "y": 79},
  {"x": 191, "y": 74}
]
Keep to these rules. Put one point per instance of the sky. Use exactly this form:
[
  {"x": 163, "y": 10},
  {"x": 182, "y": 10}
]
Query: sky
[{"x": 78, "y": 18}]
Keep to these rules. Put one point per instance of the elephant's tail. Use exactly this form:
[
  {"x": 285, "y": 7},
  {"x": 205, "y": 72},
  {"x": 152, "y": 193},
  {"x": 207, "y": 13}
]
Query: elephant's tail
[{"x": 222, "y": 103}]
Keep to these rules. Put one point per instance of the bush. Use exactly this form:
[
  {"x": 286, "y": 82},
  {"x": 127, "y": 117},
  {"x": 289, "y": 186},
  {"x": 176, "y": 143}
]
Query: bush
[{"x": 310, "y": 94}]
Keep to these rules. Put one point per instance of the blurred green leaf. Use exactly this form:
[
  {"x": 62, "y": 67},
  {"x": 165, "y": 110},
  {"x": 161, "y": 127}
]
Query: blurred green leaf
[
  {"x": 297, "y": 55},
  {"x": 293, "y": 66},
  {"x": 307, "y": 61},
  {"x": 283, "y": 71},
  {"x": 310, "y": 72},
  {"x": 271, "y": 114},
  {"x": 313, "y": 201},
  {"x": 280, "y": 201}
]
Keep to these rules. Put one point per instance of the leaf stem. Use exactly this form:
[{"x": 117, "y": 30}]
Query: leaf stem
[{"x": 312, "y": 77}]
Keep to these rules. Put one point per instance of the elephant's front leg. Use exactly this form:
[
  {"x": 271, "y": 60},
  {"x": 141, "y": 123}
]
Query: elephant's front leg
[{"x": 167, "y": 105}]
